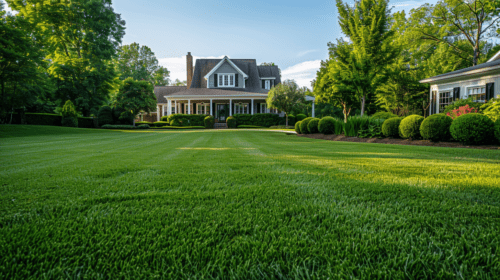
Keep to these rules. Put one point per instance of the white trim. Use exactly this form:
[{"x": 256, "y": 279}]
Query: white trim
[
  {"x": 204, "y": 108},
  {"x": 267, "y": 84},
  {"x": 211, "y": 108},
  {"x": 220, "y": 64},
  {"x": 268, "y": 78},
  {"x": 186, "y": 97},
  {"x": 243, "y": 110},
  {"x": 223, "y": 75},
  {"x": 230, "y": 107},
  {"x": 471, "y": 72},
  {"x": 495, "y": 57},
  {"x": 252, "y": 106}
]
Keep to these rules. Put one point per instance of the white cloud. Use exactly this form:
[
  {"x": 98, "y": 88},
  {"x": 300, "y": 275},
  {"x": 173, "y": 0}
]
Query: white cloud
[
  {"x": 303, "y": 73},
  {"x": 177, "y": 66},
  {"x": 7, "y": 8},
  {"x": 305, "y": 52}
]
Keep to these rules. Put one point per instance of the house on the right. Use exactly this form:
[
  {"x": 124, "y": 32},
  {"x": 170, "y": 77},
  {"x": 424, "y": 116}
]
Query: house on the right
[{"x": 480, "y": 82}]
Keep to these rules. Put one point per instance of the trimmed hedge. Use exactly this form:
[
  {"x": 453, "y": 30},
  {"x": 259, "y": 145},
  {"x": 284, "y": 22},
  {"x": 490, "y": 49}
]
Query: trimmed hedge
[
  {"x": 410, "y": 127},
  {"x": 43, "y": 119},
  {"x": 312, "y": 126},
  {"x": 384, "y": 115},
  {"x": 164, "y": 119},
  {"x": 327, "y": 125},
  {"x": 250, "y": 126},
  {"x": 179, "y": 127},
  {"x": 300, "y": 117},
  {"x": 297, "y": 127},
  {"x": 265, "y": 119},
  {"x": 291, "y": 120},
  {"x": 303, "y": 125},
  {"x": 69, "y": 122},
  {"x": 85, "y": 122},
  {"x": 243, "y": 119},
  {"x": 496, "y": 130},
  {"x": 144, "y": 122},
  {"x": 436, "y": 128},
  {"x": 186, "y": 120},
  {"x": 143, "y": 126},
  {"x": 473, "y": 129},
  {"x": 105, "y": 116},
  {"x": 118, "y": 126},
  {"x": 390, "y": 127},
  {"x": 209, "y": 122},
  {"x": 231, "y": 122},
  {"x": 161, "y": 123}
]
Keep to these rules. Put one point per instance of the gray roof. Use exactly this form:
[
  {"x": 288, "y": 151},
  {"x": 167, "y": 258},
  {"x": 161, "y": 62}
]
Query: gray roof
[
  {"x": 161, "y": 91},
  {"x": 465, "y": 70},
  {"x": 215, "y": 92},
  {"x": 248, "y": 66}
]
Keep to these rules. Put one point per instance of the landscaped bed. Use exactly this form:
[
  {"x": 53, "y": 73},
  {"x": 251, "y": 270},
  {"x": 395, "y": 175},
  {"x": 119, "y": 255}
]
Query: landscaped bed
[
  {"x": 96, "y": 203},
  {"x": 396, "y": 141}
]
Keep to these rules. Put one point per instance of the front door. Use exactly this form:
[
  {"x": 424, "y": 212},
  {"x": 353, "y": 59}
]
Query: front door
[{"x": 222, "y": 112}]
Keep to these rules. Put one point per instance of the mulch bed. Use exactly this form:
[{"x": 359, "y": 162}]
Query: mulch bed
[{"x": 396, "y": 141}]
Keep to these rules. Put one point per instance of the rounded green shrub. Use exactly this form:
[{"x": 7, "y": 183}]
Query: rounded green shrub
[
  {"x": 390, "y": 127},
  {"x": 69, "y": 122},
  {"x": 297, "y": 127},
  {"x": 231, "y": 122},
  {"x": 303, "y": 125},
  {"x": 496, "y": 130},
  {"x": 300, "y": 117},
  {"x": 384, "y": 115},
  {"x": 105, "y": 116},
  {"x": 473, "y": 129},
  {"x": 436, "y": 128},
  {"x": 312, "y": 126},
  {"x": 209, "y": 122},
  {"x": 143, "y": 126},
  {"x": 327, "y": 125},
  {"x": 69, "y": 110},
  {"x": 409, "y": 128}
]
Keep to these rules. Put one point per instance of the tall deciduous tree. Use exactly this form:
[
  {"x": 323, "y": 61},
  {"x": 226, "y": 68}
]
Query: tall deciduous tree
[
  {"x": 465, "y": 26},
  {"x": 367, "y": 24},
  {"x": 287, "y": 97},
  {"x": 334, "y": 83},
  {"x": 134, "y": 97},
  {"x": 140, "y": 63},
  {"x": 81, "y": 37}
]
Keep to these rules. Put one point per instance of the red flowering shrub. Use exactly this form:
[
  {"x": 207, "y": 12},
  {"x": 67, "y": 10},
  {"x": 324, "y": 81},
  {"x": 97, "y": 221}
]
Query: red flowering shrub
[{"x": 463, "y": 110}]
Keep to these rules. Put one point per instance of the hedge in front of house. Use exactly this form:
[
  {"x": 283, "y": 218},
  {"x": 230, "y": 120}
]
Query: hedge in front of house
[
  {"x": 179, "y": 127},
  {"x": 300, "y": 117},
  {"x": 297, "y": 127},
  {"x": 143, "y": 126},
  {"x": 243, "y": 119},
  {"x": 327, "y": 125},
  {"x": 390, "y": 127},
  {"x": 186, "y": 120},
  {"x": 43, "y": 119},
  {"x": 105, "y": 116},
  {"x": 436, "y": 128},
  {"x": 85, "y": 122},
  {"x": 384, "y": 115},
  {"x": 118, "y": 126},
  {"x": 161, "y": 123},
  {"x": 231, "y": 122},
  {"x": 409, "y": 127},
  {"x": 144, "y": 122},
  {"x": 164, "y": 119},
  {"x": 312, "y": 126},
  {"x": 250, "y": 126},
  {"x": 209, "y": 122},
  {"x": 291, "y": 120},
  {"x": 69, "y": 122},
  {"x": 265, "y": 119},
  {"x": 496, "y": 130},
  {"x": 303, "y": 125},
  {"x": 473, "y": 129}
]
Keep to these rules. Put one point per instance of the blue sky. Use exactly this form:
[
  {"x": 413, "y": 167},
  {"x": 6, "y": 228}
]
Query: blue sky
[{"x": 292, "y": 34}]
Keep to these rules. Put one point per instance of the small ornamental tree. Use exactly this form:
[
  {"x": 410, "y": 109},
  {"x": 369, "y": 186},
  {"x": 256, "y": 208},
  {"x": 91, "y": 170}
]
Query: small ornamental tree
[
  {"x": 135, "y": 96},
  {"x": 286, "y": 97},
  {"x": 461, "y": 111},
  {"x": 69, "y": 115}
]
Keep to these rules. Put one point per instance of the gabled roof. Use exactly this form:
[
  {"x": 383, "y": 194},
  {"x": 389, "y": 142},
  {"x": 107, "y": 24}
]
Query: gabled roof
[
  {"x": 226, "y": 59},
  {"x": 480, "y": 68},
  {"x": 216, "y": 92},
  {"x": 269, "y": 71}
]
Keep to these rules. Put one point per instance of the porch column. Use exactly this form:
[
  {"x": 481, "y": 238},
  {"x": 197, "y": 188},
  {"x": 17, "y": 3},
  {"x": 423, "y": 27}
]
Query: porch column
[
  {"x": 157, "y": 113},
  {"x": 252, "y": 106},
  {"x": 230, "y": 107},
  {"x": 176, "y": 110},
  {"x": 313, "y": 110},
  {"x": 169, "y": 108},
  {"x": 211, "y": 108},
  {"x": 189, "y": 106}
]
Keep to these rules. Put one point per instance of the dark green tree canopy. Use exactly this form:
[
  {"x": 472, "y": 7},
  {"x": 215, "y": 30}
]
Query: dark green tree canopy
[
  {"x": 134, "y": 97},
  {"x": 286, "y": 97}
]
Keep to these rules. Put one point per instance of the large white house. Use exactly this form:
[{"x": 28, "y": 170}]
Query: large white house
[{"x": 481, "y": 82}]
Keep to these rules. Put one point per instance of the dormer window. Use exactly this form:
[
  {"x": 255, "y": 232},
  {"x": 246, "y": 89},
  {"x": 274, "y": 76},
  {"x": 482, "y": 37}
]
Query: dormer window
[
  {"x": 268, "y": 84},
  {"x": 226, "y": 80}
]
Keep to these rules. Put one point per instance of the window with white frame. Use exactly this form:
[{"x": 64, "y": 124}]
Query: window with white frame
[
  {"x": 226, "y": 80},
  {"x": 478, "y": 93},
  {"x": 268, "y": 84},
  {"x": 173, "y": 109},
  {"x": 203, "y": 109},
  {"x": 241, "y": 108},
  {"x": 445, "y": 99},
  {"x": 264, "y": 109}
]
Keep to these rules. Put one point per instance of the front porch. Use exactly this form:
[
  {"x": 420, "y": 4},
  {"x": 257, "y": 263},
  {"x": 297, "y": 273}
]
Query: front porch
[{"x": 220, "y": 108}]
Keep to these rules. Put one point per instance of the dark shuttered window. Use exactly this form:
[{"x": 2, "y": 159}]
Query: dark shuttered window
[
  {"x": 490, "y": 91},
  {"x": 456, "y": 93},
  {"x": 236, "y": 80},
  {"x": 215, "y": 80}
]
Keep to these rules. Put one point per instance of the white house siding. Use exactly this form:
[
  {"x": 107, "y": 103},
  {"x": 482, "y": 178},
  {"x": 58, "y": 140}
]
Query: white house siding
[
  {"x": 226, "y": 68},
  {"x": 464, "y": 84}
]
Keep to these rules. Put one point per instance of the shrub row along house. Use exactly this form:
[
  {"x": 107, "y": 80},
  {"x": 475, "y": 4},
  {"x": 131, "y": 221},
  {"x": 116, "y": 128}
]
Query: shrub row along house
[
  {"x": 221, "y": 88},
  {"x": 480, "y": 82}
]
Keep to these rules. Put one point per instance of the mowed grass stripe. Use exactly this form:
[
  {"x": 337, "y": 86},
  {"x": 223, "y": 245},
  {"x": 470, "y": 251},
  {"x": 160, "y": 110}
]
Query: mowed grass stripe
[{"x": 251, "y": 205}]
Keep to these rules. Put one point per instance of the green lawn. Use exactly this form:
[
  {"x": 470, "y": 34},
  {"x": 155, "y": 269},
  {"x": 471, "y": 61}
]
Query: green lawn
[{"x": 242, "y": 204}]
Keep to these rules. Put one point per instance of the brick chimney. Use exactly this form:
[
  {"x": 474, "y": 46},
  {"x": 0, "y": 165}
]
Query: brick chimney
[{"x": 189, "y": 61}]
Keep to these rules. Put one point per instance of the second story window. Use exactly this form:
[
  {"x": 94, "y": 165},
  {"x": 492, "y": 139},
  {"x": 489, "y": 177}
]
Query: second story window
[{"x": 226, "y": 80}]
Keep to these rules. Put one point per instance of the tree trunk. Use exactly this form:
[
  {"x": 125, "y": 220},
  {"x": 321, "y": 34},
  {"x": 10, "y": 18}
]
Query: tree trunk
[
  {"x": 363, "y": 101},
  {"x": 133, "y": 122}
]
